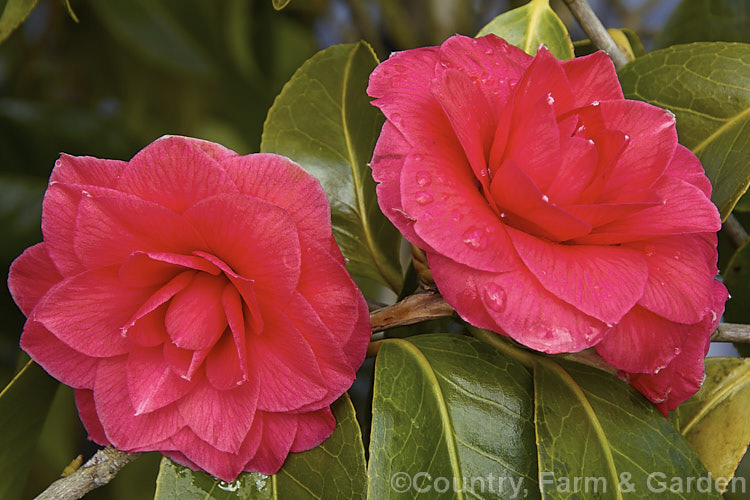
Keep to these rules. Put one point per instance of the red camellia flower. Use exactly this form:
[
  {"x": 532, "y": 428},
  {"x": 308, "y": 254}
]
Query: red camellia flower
[
  {"x": 196, "y": 301},
  {"x": 550, "y": 208}
]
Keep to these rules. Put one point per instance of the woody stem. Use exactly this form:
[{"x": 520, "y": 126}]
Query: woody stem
[{"x": 596, "y": 31}]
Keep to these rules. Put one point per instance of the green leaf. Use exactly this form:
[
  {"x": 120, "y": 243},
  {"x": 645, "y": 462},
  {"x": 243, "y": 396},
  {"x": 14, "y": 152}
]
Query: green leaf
[
  {"x": 531, "y": 25},
  {"x": 335, "y": 469},
  {"x": 14, "y": 13},
  {"x": 707, "y": 86},
  {"x": 447, "y": 408},
  {"x": 707, "y": 21},
  {"x": 69, "y": 9},
  {"x": 151, "y": 31},
  {"x": 714, "y": 421},
  {"x": 280, "y": 4},
  {"x": 626, "y": 39},
  {"x": 24, "y": 404},
  {"x": 322, "y": 120},
  {"x": 592, "y": 426}
]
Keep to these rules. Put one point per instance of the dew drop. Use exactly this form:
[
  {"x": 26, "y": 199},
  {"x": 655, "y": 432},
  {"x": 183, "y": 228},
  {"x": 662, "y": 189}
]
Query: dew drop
[
  {"x": 495, "y": 297},
  {"x": 713, "y": 316},
  {"x": 677, "y": 351},
  {"x": 503, "y": 215},
  {"x": 550, "y": 99},
  {"x": 545, "y": 198},
  {"x": 424, "y": 198},
  {"x": 423, "y": 178},
  {"x": 676, "y": 256},
  {"x": 232, "y": 487},
  {"x": 489, "y": 51},
  {"x": 627, "y": 137},
  {"x": 650, "y": 250},
  {"x": 418, "y": 158},
  {"x": 595, "y": 103},
  {"x": 474, "y": 237}
]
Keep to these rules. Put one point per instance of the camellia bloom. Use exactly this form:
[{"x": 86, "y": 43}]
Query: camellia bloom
[
  {"x": 196, "y": 301},
  {"x": 550, "y": 208}
]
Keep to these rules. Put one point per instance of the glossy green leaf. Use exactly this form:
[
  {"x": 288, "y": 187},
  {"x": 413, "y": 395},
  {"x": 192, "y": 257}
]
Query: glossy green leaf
[
  {"x": 450, "y": 408},
  {"x": 707, "y": 86},
  {"x": 151, "y": 31},
  {"x": 280, "y": 4},
  {"x": 333, "y": 470},
  {"x": 715, "y": 420},
  {"x": 531, "y": 25},
  {"x": 594, "y": 427},
  {"x": 626, "y": 39},
  {"x": 323, "y": 120},
  {"x": 707, "y": 21},
  {"x": 70, "y": 11},
  {"x": 24, "y": 404},
  {"x": 14, "y": 13}
]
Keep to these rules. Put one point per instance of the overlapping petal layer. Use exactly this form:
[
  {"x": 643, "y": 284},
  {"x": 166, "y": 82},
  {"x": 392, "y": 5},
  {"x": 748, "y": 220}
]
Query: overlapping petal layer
[
  {"x": 551, "y": 209},
  {"x": 196, "y": 301}
]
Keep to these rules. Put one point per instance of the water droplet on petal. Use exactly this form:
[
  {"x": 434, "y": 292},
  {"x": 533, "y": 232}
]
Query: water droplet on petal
[
  {"x": 503, "y": 215},
  {"x": 495, "y": 297},
  {"x": 677, "y": 351},
  {"x": 418, "y": 157},
  {"x": 650, "y": 250},
  {"x": 424, "y": 198},
  {"x": 423, "y": 178},
  {"x": 474, "y": 237},
  {"x": 713, "y": 316},
  {"x": 545, "y": 198},
  {"x": 489, "y": 51},
  {"x": 550, "y": 99},
  {"x": 595, "y": 103}
]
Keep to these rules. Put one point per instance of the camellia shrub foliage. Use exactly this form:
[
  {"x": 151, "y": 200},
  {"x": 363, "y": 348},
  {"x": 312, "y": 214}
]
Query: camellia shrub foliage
[{"x": 485, "y": 265}]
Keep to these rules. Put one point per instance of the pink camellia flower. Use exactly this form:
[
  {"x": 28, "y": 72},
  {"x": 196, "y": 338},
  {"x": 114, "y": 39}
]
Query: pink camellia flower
[
  {"x": 550, "y": 208},
  {"x": 196, "y": 301}
]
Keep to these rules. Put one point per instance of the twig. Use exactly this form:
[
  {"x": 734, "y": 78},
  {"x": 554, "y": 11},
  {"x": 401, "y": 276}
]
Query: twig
[
  {"x": 732, "y": 332},
  {"x": 596, "y": 31},
  {"x": 734, "y": 231},
  {"x": 415, "y": 308},
  {"x": 98, "y": 471}
]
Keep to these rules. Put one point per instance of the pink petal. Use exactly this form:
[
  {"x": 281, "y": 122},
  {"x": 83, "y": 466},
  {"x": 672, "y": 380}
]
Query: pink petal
[
  {"x": 205, "y": 456},
  {"x": 387, "y": 162},
  {"x": 281, "y": 182},
  {"x": 232, "y": 302},
  {"x": 471, "y": 118},
  {"x": 158, "y": 298},
  {"x": 592, "y": 78},
  {"x": 149, "y": 330},
  {"x": 124, "y": 429},
  {"x": 183, "y": 362},
  {"x": 681, "y": 272},
  {"x": 88, "y": 311},
  {"x": 284, "y": 364},
  {"x": 151, "y": 383},
  {"x": 517, "y": 305},
  {"x": 223, "y": 367},
  {"x": 31, "y": 275},
  {"x": 212, "y": 149},
  {"x": 439, "y": 190},
  {"x": 279, "y": 430},
  {"x": 237, "y": 226},
  {"x": 544, "y": 77},
  {"x": 685, "y": 210},
  {"x": 87, "y": 171},
  {"x": 576, "y": 171},
  {"x": 173, "y": 172},
  {"x": 644, "y": 342},
  {"x": 491, "y": 60},
  {"x": 329, "y": 355},
  {"x": 88, "y": 416},
  {"x": 602, "y": 281},
  {"x": 221, "y": 418},
  {"x": 525, "y": 207},
  {"x": 312, "y": 429},
  {"x": 401, "y": 88},
  {"x": 195, "y": 318},
  {"x": 65, "y": 364},
  {"x": 686, "y": 166},
  {"x": 108, "y": 230},
  {"x": 155, "y": 268}
]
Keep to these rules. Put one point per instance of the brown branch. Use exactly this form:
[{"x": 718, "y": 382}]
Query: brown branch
[
  {"x": 596, "y": 31},
  {"x": 98, "y": 471},
  {"x": 732, "y": 332},
  {"x": 734, "y": 231},
  {"x": 415, "y": 308}
]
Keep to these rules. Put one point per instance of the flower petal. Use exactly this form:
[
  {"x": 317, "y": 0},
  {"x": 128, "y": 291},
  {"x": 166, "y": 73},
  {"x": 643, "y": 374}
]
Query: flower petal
[
  {"x": 592, "y": 78},
  {"x": 173, "y": 172},
  {"x": 279, "y": 430},
  {"x": 604, "y": 282},
  {"x": 151, "y": 383},
  {"x": 89, "y": 418},
  {"x": 58, "y": 359},
  {"x": 195, "y": 317},
  {"x": 31, "y": 275},
  {"x": 312, "y": 429}
]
